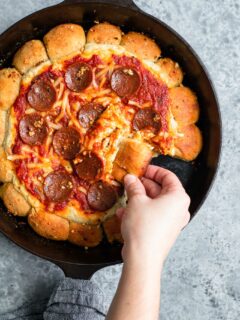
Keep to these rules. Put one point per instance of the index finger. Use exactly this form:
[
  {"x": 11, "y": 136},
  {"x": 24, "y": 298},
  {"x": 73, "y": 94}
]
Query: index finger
[{"x": 166, "y": 178}]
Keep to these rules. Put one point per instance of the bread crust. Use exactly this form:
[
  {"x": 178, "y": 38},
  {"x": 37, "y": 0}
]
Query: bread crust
[
  {"x": 29, "y": 55},
  {"x": 184, "y": 105},
  {"x": 133, "y": 157},
  {"x": 3, "y": 116},
  {"x": 112, "y": 229},
  {"x": 6, "y": 167},
  {"x": 189, "y": 145},
  {"x": 64, "y": 40},
  {"x": 170, "y": 72},
  {"x": 14, "y": 201},
  {"x": 104, "y": 33},
  {"x": 48, "y": 225},
  {"x": 85, "y": 235},
  {"x": 10, "y": 80},
  {"x": 141, "y": 46}
]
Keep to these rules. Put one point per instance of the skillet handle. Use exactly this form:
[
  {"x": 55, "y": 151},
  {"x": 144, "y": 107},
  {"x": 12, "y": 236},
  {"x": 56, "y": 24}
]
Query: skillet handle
[
  {"x": 125, "y": 3},
  {"x": 75, "y": 271}
]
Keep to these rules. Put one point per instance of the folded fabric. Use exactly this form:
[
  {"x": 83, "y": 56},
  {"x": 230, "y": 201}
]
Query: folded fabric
[{"x": 70, "y": 300}]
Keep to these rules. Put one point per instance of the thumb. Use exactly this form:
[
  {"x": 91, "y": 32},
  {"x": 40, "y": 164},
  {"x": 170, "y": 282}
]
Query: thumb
[{"x": 133, "y": 186}]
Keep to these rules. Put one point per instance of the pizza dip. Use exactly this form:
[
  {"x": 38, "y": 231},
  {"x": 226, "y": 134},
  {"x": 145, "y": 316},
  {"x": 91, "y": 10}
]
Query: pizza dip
[{"x": 77, "y": 113}]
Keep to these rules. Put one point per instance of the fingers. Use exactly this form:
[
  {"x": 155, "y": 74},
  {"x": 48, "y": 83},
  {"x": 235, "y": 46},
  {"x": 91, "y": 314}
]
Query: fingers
[
  {"x": 120, "y": 212},
  {"x": 133, "y": 186},
  {"x": 153, "y": 189},
  {"x": 168, "y": 180}
]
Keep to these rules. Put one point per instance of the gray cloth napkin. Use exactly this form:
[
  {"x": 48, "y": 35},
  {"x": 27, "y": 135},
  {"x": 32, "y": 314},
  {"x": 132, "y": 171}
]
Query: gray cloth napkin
[{"x": 70, "y": 300}]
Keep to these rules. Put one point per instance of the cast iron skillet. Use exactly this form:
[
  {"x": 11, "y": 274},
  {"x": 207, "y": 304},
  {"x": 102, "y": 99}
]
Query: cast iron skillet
[{"x": 197, "y": 177}]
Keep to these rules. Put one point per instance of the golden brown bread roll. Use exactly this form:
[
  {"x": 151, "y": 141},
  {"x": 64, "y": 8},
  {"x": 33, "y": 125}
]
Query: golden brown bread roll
[
  {"x": 6, "y": 167},
  {"x": 133, "y": 157},
  {"x": 140, "y": 45},
  {"x": 104, "y": 33},
  {"x": 188, "y": 146},
  {"x": 184, "y": 105},
  {"x": 29, "y": 55},
  {"x": 112, "y": 229},
  {"x": 9, "y": 87},
  {"x": 85, "y": 235},
  {"x": 49, "y": 225},
  {"x": 171, "y": 72},
  {"x": 63, "y": 40},
  {"x": 14, "y": 201},
  {"x": 3, "y": 115}
]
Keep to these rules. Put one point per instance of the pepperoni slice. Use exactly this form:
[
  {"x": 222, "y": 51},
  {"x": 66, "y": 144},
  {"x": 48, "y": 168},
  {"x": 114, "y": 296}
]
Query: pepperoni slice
[
  {"x": 145, "y": 119},
  {"x": 58, "y": 186},
  {"x": 78, "y": 76},
  {"x": 89, "y": 166},
  {"x": 101, "y": 196},
  {"x": 125, "y": 81},
  {"x": 89, "y": 113},
  {"x": 33, "y": 129},
  {"x": 66, "y": 143},
  {"x": 41, "y": 95}
]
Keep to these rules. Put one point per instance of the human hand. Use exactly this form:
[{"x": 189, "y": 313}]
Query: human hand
[{"x": 156, "y": 212}]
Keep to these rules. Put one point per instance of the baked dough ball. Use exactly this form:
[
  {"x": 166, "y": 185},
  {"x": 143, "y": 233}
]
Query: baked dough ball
[
  {"x": 112, "y": 229},
  {"x": 85, "y": 235},
  {"x": 14, "y": 201},
  {"x": 29, "y": 55},
  {"x": 9, "y": 87},
  {"x": 48, "y": 225},
  {"x": 184, "y": 105},
  {"x": 64, "y": 40},
  {"x": 133, "y": 157},
  {"x": 140, "y": 45},
  {"x": 188, "y": 146},
  {"x": 2, "y": 126},
  {"x": 6, "y": 167},
  {"x": 105, "y": 33},
  {"x": 171, "y": 72}
]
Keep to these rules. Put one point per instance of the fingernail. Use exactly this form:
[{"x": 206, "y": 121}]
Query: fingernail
[{"x": 129, "y": 178}]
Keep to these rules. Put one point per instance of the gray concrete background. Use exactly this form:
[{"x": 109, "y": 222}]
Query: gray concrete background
[{"x": 201, "y": 278}]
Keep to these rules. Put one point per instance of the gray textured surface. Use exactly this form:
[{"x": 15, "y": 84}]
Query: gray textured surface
[{"x": 201, "y": 278}]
